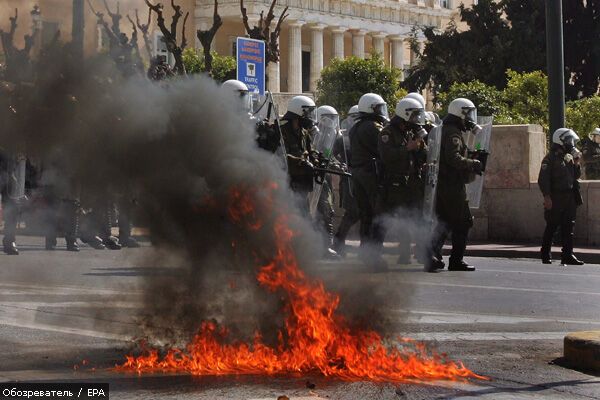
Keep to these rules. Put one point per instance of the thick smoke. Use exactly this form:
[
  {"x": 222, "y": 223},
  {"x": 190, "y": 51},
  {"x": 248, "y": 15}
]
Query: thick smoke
[
  {"x": 188, "y": 157},
  {"x": 180, "y": 149}
]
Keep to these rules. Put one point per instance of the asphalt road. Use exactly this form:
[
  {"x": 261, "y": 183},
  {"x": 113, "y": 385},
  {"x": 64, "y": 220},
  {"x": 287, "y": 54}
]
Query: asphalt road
[{"x": 505, "y": 321}]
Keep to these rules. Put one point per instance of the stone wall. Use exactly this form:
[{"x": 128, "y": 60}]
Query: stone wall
[{"x": 511, "y": 208}]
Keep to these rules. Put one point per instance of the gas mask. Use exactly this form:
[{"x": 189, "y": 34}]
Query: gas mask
[
  {"x": 471, "y": 126},
  {"x": 307, "y": 123},
  {"x": 569, "y": 144}
]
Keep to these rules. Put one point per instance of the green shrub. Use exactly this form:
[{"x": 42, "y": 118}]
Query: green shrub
[
  {"x": 224, "y": 67},
  {"x": 584, "y": 115}
]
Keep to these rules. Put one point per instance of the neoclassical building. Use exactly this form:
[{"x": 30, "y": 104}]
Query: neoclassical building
[{"x": 315, "y": 32}]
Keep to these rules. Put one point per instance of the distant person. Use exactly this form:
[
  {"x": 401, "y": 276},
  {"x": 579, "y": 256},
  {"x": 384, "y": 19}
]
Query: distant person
[
  {"x": 590, "y": 148},
  {"x": 558, "y": 182}
]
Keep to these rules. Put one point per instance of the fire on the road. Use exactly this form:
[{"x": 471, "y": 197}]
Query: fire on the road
[{"x": 315, "y": 338}]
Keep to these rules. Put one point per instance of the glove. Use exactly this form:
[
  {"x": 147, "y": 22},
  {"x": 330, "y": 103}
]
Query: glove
[
  {"x": 477, "y": 167},
  {"x": 306, "y": 164}
]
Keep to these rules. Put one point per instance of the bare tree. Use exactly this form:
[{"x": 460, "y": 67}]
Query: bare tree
[
  {"x": 263, "y": 30},
  {"x": 124, "y": 51},
  {"x": 170, "y": 35},
  {"x": 18, "y": 61},
  {"x": 206, "y": 38},
  {"x": 145, "y": 28},
  {"x": 115, "y": 18}
]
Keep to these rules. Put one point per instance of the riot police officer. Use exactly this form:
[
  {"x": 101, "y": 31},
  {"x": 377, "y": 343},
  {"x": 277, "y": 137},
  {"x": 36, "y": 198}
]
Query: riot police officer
[
  {"x": 237, "y": 92},
  {"x": 401, "y": 143},
  {"x": 558, "y": 183},
  {"x": 591, "y": 155},
  {"x": 9, "y": 204},
  {"x": 456, "y": 170},
  {"x": 296, "y": 123},
  {"x": 342, "y": 152},
  {"x": 366, "y": 175},
  {"x": 323, "y": 141}
]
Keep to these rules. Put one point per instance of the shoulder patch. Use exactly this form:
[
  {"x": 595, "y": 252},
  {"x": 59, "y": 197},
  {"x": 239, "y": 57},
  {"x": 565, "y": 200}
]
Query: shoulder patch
[
  {"x": 456, "y": 141},
  {"x": 385, "y": 138},
  {"x": 544, "y": 166}
]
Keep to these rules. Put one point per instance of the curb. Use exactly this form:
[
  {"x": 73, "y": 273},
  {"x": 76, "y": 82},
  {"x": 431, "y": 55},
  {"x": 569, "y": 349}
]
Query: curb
[
  {"x": 588, "y": 258},
  {"x": 582, "y": 350}
]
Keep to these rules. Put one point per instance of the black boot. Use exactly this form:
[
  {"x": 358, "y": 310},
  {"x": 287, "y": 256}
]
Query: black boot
[
  {"x": 111, "y": 243},
  {"x": 571, "y": 260},
  {"x": 546, "y": 257},
  {"x": 460, "y": 266},
  {"x": 10, "y": 247},
  {"x": 433, "y": 265},
  {"x": 93, "y": 241},
  {"x": 72, "y": 245}
]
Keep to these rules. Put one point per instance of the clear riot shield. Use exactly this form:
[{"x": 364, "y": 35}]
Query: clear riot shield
[
  {"x": 479, "y": 147},
  {"x": 16, "y": 177},
  {"x": 434, "y": 146},
  {"x": 266, "y": 110},
  {"x": 328, "y": 129}
]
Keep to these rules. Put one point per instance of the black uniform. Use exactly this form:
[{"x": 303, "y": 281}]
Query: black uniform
[
  {"x": 365, "y": 164},
  {"x": 341, "y": 151},
  {"x": 298, "y": 148},
  {"x": 9, "y": 206},
  {"x": 452, "y": 207},
  {"x": 558, "y": 179},
  {"x": 403, "y": 185},
  {"x": 591, "y": 159}
]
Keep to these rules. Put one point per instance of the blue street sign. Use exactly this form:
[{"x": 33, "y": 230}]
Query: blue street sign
[{"x": 250, "y": 56}]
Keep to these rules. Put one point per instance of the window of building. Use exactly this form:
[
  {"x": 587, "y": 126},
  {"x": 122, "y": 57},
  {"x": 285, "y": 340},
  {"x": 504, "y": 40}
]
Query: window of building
[
  {"x": 445, "y": 3},
  {"x": 103, "y": 40},
  {"x": 160, "y": 48}
]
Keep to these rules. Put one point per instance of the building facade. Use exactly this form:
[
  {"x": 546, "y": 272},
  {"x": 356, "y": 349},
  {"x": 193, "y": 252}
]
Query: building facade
[{"x": 315, "y": 32}]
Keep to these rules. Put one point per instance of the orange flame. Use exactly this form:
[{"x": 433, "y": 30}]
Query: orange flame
[{"x": 315, "y": 338}]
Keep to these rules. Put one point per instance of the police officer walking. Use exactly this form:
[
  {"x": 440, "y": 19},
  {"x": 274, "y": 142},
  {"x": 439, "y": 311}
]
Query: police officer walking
[
  {"x": 298, "y": 120},
  {"x": 399, "y": 144},
  {"x": 9, "y": 205},
  {"x": 558, "y": 183},
  {"x": 366, "y": 175},
  {"x": 342, "y": 152},
  {"x": 591, "y": 155},
  {"x": 456, "y": 170}
]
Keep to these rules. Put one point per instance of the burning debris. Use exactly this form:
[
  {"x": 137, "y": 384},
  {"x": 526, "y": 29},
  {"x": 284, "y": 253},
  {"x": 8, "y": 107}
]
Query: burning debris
[{"x": 315, "y": 337}]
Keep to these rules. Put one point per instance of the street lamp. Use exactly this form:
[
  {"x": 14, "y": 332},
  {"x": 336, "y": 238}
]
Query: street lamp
[
  {"x": 556, "y": 64},
  {"x": 78, "y": 27},
  {"x": 36, "y": 19}
]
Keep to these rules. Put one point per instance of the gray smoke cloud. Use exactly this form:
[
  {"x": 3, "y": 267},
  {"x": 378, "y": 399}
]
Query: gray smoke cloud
[{"x": 181, "y": 150}]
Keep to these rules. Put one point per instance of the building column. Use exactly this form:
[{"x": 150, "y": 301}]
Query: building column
[
  {"x": 338, "y": 42},
  {"x": 398, "y": 53},
  {"x": 316, "y": 55},
  {"x": 358, "y": 43},
  {"x": 379, "y": 43},
  {"x": 295, "y": 57},
  {"x": 414, "y": 58},
  {"x": 274, "y": 77}
]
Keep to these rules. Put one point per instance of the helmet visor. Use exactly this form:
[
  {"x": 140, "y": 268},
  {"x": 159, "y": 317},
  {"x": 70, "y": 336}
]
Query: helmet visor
[
  {"x": 569, "y": 140},
  {"x": 246, "y": 99},
  {"x": 309, "y": 112},
  {"x": 470, "y": 113},
  {"x": 329, "y": 121},
  {"x": 417, "y": 116},
  {"x": 381, "y": 109}
]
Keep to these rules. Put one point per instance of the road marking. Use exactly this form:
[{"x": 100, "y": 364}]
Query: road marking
[
  {"x": 449, "y": 317},
  {"x": 483, "y": 336},
  {"x": 499, "y": 288},
  {"x": 68, "y": 330},
  {"x": 570, "y": 274}
]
